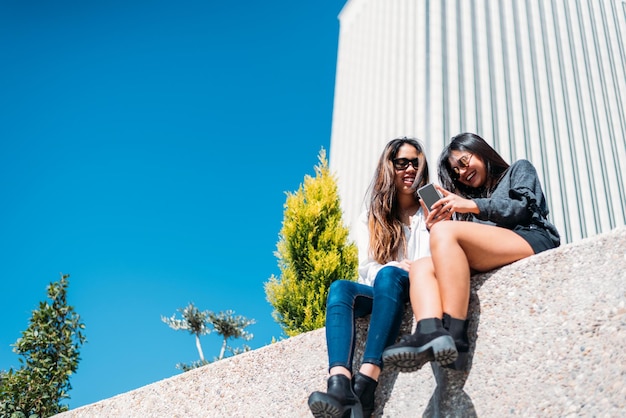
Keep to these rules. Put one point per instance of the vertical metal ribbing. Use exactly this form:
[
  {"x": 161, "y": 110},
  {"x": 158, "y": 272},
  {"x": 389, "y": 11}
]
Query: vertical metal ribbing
[
  {"x": 604, "y": 115},
  {"x": 538, "y": 109},
  {"x": 525, "y": 74},
  {"x": 553, "y": 135},
  {"x": 522, "y": 79},
  {"x": 573, "y": 187},
  {"x": 347, "y": 121},
  {"x": 493, "y": 103},
  {"x": 616, "y": 12},
  {"x": 407, "y": 85},
  {"x": 614, "y": 111},
  {"x": 412, "y": 65},
  {"x": 498, "y": 81},
  {"x": 385, "y": 76},
  {"x": 427, "y": 56},
  {"x": 421, "y": 85},
  {"x": 477, "y": 70},
  {"x": 421, "y": 111},
  {"x": 437, "y": 75},
  {"x": 506, "y": 93},
  {"x": 595, "y": 133},
  {"x": 619, "y": 64},
  {"x": 406, "y": 82},
  {"x": 373, "y": 65},
  {"x": 466, "y": 75},
  {"x": 620, "y": 84},
  {"x": 580, "y": 139},
  {"x": 445, "y": 70},
  {"x": 461, "y": 63}
]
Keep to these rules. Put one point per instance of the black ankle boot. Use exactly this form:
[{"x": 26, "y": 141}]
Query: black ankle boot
[
  {"x": 365, "y": 388},
  {"x": 338, "y": 399},
  {"x": 429, "y": 342},
  {"x": 458, "y": 330}
]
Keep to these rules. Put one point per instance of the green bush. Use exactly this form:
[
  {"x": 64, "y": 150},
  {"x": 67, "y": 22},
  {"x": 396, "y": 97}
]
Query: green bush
[{"x": 312, "y": 251}]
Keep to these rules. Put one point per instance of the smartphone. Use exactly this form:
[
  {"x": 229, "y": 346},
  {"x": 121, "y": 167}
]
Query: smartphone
[{"x": 429, "y": 195}]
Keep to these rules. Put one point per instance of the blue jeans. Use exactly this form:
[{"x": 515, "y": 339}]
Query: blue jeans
[{"x": 347, "y": 300}]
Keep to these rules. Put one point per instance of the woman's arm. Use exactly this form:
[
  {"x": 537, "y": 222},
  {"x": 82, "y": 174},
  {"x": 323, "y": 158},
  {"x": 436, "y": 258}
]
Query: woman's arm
[{"x": 514, "y": 200}]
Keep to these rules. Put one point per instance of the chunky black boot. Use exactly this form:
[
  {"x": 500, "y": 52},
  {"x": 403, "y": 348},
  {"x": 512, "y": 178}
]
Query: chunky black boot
[
  {"x": 429, "y": 342},
  {"x": 365, "y": 388},
  {"x": 458, "y": 330},
  {"x": 338, "y": 399}
]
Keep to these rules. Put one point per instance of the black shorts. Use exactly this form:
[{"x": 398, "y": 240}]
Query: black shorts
[{"x": 538, "y": 238}]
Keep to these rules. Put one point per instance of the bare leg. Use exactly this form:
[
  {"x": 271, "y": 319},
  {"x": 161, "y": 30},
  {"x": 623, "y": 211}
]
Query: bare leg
[
  {"x": 457, "y": 247},
  {"x": 441, "y": 284},
  {"x": 424, "y": 290},
  {"x": 340, "y": 370},
  {"x": 430, "y": 341},
  {"x": 371, "y": 370}
]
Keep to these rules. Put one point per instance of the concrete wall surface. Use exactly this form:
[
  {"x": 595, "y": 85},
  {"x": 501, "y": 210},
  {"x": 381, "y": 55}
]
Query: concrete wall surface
[{"x": 548, "y": 337}]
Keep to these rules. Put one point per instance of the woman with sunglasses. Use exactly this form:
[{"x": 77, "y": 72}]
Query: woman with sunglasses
[
  {"x": 507, "y": 210},
  {"x": 392, "y": 233}
]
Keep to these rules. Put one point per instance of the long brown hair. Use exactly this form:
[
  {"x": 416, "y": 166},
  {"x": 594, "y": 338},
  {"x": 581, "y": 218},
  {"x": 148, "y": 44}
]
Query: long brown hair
[{"x": 387, "y": 241}]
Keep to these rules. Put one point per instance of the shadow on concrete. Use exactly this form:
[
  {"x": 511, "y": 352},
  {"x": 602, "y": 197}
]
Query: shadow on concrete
[
  {"x": 449, "y": 398},
  {"x": 387, "y": 379}
]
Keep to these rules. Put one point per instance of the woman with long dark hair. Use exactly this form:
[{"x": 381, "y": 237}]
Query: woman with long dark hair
[{"x": 508, "y": 214}]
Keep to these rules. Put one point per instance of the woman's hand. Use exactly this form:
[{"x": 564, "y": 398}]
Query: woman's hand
[
  {"x": 445, "y": 208},
  {"x": 435, "y": 215},
  {"x": 452, "y": 203},
  {"x": 405, "y": 264}
]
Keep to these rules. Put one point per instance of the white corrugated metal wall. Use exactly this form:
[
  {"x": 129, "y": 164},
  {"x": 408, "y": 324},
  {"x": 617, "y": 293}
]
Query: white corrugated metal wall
[{"x": 538, "y": 79}]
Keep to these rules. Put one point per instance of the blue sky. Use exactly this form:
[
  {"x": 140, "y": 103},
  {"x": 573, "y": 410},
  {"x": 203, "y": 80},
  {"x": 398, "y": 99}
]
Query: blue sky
[{"x": 145, "y": 149}]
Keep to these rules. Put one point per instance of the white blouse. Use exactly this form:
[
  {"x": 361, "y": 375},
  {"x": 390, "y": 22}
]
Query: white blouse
[{"x": 418, "y": 246}]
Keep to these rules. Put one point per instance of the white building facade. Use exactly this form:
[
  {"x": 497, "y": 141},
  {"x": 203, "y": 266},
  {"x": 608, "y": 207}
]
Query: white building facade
[{"x": 543, "y": 80}]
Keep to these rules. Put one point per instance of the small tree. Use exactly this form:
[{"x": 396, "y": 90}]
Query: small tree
[
  {"x": 50, "y": 354},
  {"x": 312, "y": 251},
  {"x": 193, "y": 321},
  {"x": 197, "y": 323},
  {"x": 230, "y": 326}
]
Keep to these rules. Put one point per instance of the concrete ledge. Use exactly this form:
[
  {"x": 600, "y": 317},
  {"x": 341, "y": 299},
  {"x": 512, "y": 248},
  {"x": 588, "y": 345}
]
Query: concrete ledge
[{"x": 548, "y": 337}]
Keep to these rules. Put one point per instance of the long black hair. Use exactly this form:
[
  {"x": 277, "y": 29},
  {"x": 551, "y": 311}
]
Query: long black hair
[{"x": 477, "y": 146}]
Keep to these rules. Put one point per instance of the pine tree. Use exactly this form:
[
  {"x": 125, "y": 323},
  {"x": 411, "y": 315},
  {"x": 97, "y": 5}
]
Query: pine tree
[{"x": 312, "y": 251}]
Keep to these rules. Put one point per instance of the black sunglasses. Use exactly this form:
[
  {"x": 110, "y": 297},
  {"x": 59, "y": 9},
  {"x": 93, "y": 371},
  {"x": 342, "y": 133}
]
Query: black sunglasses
[
  {"x": 403, "y": 163},
  {"x": 464, "y": 163}
]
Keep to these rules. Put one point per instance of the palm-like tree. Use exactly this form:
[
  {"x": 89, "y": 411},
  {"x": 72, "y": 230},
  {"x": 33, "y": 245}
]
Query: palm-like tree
[
  {"x": 197, "y": 322},
  {"x": 229, "y": 325},
  {"x": 194, "y": 321}
]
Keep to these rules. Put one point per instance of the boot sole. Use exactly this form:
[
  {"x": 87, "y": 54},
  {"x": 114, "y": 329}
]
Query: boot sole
[
  {"x": 324, "y": 406},
  {"x": 460, "y": 364},
  {"x": 441, "y": 350}
]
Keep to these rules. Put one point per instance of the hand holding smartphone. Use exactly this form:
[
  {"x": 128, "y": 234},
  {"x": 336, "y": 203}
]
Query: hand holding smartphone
[{"x": 429, "y": 195}]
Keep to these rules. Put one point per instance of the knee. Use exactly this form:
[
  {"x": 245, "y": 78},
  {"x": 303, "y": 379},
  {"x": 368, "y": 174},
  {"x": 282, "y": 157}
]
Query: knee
[
  {"x": 440, "y": 233},
  {"x": 420, "y": 269},
  {"x": 337, "y": 293},
  {"x": 390, "y": 278},
  {"x": 440, "y": 229}
]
